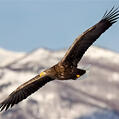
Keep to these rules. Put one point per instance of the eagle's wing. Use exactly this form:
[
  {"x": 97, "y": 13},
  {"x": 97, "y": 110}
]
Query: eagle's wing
[
  {"x": 85, "y": 40},
  {"x": 24, "y": 91}
]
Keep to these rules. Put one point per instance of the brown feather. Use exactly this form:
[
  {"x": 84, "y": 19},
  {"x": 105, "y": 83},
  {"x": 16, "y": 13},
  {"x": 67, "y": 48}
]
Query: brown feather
[
  {"x": 67, "y": 68},
  {"x": 24, "y": 91},
  {"x": 85, "y": 40}
]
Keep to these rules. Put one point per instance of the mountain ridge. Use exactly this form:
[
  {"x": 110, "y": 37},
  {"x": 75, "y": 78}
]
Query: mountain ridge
[{"x": 92, "y": 98}]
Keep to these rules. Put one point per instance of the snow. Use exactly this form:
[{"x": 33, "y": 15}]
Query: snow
[
  {"x": 99, "y": 53},
  {"x": 95, "y": 97},
  {"x": 7, "y": 57}
]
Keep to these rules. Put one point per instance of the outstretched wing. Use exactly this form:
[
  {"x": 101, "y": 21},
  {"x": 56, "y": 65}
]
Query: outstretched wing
[
  {"x": 85, "y": 40},
  {"x": 24, "y": 91}
]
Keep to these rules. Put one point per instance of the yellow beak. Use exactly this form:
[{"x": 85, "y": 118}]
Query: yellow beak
[{"x": 77, "y": 75}]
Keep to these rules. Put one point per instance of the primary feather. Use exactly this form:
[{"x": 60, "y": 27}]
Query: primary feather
[
  {"x": 24, "y": 91},
  {"x": 67, "y": 67},
  {"x": 85, "y": 40}
]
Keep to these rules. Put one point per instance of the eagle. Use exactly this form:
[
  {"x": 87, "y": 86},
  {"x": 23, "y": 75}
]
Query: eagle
[{"x": 66, "y": 68}]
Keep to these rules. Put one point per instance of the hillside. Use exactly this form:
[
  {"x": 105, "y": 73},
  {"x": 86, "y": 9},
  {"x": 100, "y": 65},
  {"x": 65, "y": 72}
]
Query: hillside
[{"x": 95, "y": 97}]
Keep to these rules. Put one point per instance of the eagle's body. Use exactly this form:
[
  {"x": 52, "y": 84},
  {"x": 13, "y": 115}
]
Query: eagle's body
[
  {"x": 67, "y": 67},
  {"x": 62, "y": 71}
]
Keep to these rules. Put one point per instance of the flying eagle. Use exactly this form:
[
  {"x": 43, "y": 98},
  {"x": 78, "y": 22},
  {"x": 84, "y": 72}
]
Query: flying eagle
[{"x": 67, "y": 67}]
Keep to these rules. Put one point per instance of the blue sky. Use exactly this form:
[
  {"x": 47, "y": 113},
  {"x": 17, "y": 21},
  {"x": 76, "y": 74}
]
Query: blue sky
[{"x": 54, "y": 24}]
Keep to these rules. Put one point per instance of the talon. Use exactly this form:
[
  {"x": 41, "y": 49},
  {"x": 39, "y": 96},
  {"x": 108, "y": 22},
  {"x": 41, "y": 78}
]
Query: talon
[{"x": 42, "y": 74}]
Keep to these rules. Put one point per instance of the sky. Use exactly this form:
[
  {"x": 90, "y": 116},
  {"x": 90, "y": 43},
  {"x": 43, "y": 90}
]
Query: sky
[{"x": 54, "y": 24}]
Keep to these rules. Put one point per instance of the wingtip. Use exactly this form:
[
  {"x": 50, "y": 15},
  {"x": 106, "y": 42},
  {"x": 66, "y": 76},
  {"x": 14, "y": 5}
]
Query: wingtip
[
  {"x": 4, "y": 106},
  {"x": 112, "y": 16},
  {"x": 0, "y": 107}
]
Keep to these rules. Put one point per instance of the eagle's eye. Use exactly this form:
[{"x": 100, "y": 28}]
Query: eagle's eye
[
  {"x": 77, "y": 75},
  {"x": 42, "y": 74}
]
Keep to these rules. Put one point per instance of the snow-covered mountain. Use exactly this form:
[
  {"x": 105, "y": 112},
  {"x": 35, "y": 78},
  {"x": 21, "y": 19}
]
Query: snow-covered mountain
[{"x": 95, "y": 97}]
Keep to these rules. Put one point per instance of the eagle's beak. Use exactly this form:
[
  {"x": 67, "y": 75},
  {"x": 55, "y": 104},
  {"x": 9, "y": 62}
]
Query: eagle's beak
[{"x": 77, "y": 75}]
